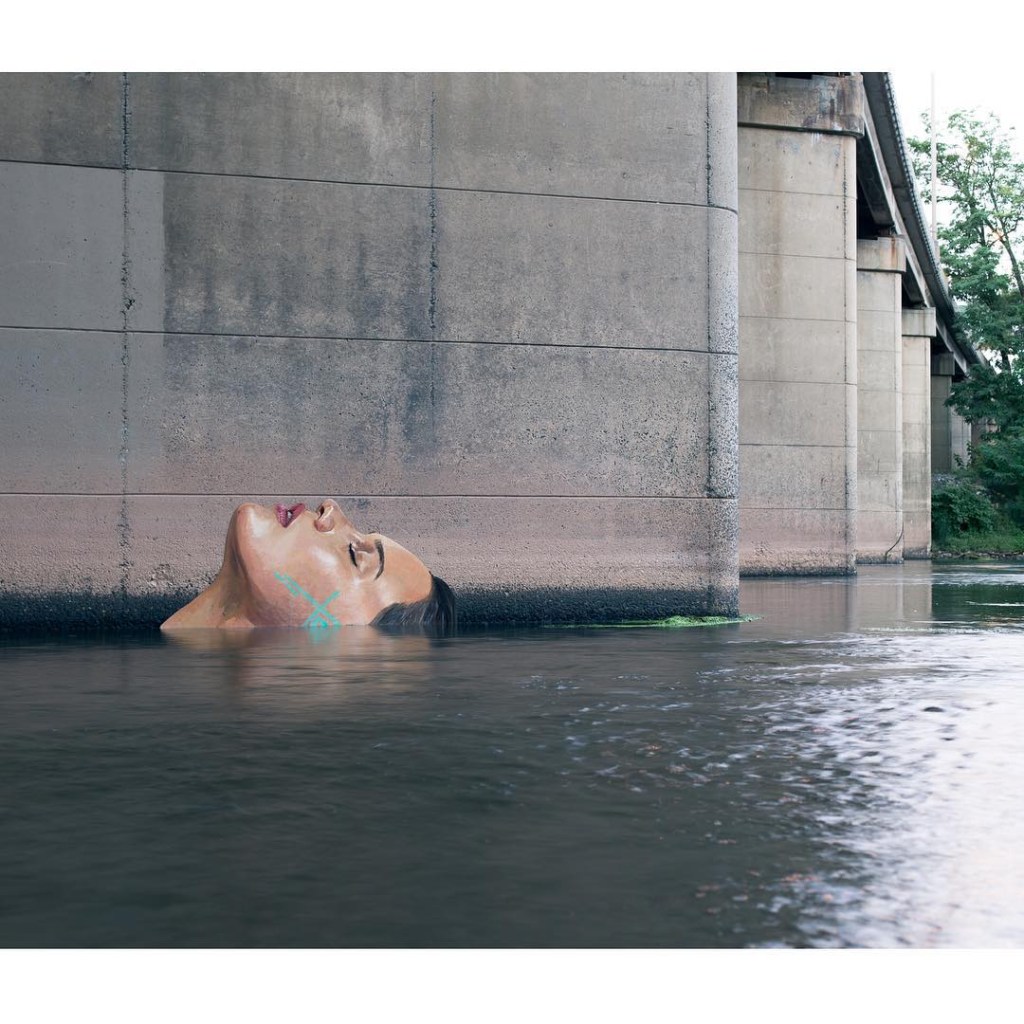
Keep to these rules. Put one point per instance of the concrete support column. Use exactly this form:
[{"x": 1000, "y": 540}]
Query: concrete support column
[
  {"x": 918, "y": 330},
  {"x": 798, "y": 313},
  {"x": 494, "y": 315},
  {"x": 951, "y": 433},
  {"x": 961, "y": 434},
  {"x": 880, "y": 262}
]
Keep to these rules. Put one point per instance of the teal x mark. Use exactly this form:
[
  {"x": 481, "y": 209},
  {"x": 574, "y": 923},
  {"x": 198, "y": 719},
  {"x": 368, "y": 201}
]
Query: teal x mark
[{"x": 319, "y": 617}]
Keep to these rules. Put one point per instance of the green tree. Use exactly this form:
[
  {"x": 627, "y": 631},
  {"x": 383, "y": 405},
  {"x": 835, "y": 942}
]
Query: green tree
[{"x": 981, "y": 188}]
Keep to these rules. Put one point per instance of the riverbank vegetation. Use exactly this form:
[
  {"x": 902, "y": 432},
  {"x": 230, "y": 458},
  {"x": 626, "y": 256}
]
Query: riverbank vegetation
[
  {"x": 966, "y": 522},
  {"x": 981, "y": 189}
]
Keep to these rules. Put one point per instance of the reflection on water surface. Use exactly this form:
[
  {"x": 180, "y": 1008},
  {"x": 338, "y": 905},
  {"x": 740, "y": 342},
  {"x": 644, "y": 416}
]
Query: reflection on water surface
[{"x": 843, "y": 771}]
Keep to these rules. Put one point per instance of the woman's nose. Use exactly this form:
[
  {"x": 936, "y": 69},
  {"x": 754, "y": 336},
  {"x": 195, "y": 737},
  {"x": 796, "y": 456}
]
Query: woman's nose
[{"x": 329, "y": 516}]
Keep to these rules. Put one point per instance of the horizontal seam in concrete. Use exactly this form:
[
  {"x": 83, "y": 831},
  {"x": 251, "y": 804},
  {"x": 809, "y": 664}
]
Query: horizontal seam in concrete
[
  {"x": 329, "y": 337},
  {"x": 787, "y": 380},
  {"x": 438, "y": 497},
  {"x": 789, "y": 192},
  {"x": 792, "y": 255},
  {"x": 793, "y": 508},
  {"x": 764, "y": 126},
  {"x": 382, "y": 184},
  {"x": 809, "y": 383},
  {"x": 817, "y": 319},
  {"x": 802, "y": 319},
  {"x": 793, "y": 444}
]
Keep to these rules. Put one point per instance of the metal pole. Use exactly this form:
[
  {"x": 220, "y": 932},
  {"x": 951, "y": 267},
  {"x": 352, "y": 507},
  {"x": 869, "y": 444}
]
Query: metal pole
[{"x": 935, "y": 226}]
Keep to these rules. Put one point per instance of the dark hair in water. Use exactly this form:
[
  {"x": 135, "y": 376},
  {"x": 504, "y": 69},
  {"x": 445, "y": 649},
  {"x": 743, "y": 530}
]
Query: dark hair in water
[{"x": 436, "y": 611}]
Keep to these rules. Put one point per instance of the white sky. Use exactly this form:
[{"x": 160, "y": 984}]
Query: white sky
[
  {"x": 996, "y": 91},
  {"x": 529, "y": 35}
]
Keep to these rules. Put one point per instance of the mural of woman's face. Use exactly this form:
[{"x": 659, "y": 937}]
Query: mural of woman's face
[{"x": 296, "y": 566}]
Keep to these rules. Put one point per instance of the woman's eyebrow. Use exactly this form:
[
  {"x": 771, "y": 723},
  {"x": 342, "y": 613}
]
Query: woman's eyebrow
[{"x": 380, "y": 551}]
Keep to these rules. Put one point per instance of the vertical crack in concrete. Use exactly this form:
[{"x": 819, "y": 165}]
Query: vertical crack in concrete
[
  {"x": 432, "y": 308},
  {"x": 711, "y": 441},
  {"x": 123, "y": 525},
  {"x": 707, "y": 136}
]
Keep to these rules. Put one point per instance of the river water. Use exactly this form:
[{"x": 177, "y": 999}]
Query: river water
[{"x": 843, "y": 771}]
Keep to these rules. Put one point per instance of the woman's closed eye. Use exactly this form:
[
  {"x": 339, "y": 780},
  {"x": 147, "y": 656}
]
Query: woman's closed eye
[{"x": 358, "y": 554}]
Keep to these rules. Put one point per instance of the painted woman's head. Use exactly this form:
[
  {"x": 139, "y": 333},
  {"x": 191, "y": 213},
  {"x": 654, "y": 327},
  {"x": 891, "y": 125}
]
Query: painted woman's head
[{"x": 296, "y": 566}]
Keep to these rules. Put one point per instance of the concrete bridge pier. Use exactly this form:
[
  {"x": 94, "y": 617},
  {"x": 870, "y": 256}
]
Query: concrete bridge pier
[
  {"x": 951, "y": 433},
  {"x": 798, "y": 321},
  {"x": 880, "y": 528},
  {"x": 918, "y": 329}
]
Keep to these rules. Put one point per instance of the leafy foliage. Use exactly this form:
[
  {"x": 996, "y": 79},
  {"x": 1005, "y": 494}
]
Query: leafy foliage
[
  {"x": 961, "y": 507},
  {"x": 981, "y": 185},
  {"x": 999, "y": 541},
  {"x": 998, "y": 463}
]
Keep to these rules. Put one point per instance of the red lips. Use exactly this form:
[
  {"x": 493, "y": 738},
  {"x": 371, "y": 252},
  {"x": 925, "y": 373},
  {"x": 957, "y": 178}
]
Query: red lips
[{"x": 286, "y": 514}]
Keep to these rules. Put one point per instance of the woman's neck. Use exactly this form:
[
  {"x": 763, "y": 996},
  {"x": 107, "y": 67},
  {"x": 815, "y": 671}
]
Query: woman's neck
[{"x": 219, "y": 606}]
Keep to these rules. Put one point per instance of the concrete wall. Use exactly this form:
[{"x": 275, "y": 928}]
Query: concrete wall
[
  {"x": 950, "y": 432},
  {"x": 880, "y": 262},
  {"x": 960, "y": 435},
  {"x": 798, "y": 322},
  {"x": 918, "y": 326},
  {"x": 495, "y": 315}
]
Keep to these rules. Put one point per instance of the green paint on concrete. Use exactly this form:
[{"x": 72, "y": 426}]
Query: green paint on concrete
[{"x": 672, "y": 622}]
